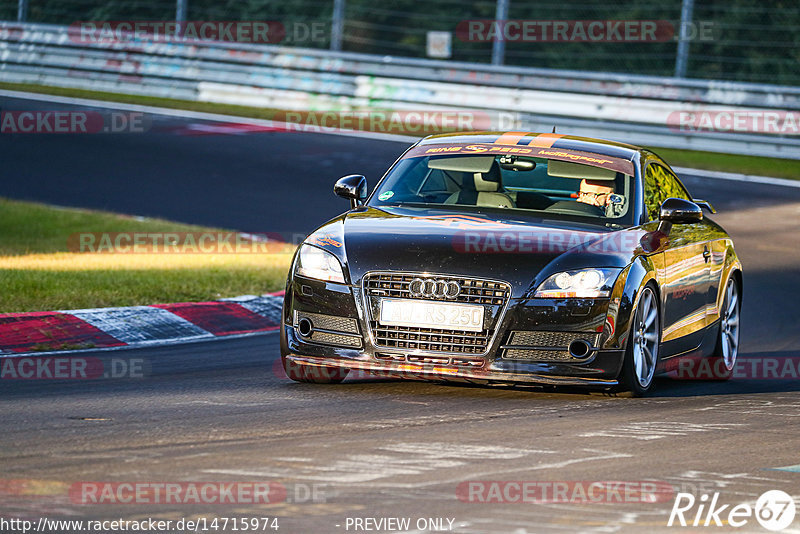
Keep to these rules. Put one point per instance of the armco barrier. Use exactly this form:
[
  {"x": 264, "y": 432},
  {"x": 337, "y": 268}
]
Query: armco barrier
[{"x": 637, "y": 109}]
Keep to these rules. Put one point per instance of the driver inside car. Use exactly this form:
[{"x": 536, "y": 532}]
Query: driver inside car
[{"x": 595, "y": 192}]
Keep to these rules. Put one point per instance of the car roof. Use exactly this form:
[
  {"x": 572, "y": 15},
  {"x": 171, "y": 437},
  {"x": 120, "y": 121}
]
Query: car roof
[{"x": 546, "y": 140}]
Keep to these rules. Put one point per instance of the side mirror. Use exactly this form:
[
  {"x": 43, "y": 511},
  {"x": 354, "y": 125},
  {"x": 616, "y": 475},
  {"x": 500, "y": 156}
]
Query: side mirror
[
  {"x": 680, "y": 211},
  {"x": 704, "y": 204},
  {"x": 352, "y": 187}
]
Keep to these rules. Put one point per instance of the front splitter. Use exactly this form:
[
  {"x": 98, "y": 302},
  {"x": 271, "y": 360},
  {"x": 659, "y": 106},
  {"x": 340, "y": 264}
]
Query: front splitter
[{"x": 449, "y": 373}]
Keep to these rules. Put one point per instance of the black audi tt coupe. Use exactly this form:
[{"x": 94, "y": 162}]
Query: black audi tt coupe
[{"x": 515, "y": 258}]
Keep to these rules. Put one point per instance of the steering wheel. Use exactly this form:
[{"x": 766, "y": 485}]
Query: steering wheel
[{"x": 577, "y": 208}]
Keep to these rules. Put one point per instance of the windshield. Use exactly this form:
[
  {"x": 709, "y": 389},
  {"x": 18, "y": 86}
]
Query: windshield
[{"x": 546, "y": 186}]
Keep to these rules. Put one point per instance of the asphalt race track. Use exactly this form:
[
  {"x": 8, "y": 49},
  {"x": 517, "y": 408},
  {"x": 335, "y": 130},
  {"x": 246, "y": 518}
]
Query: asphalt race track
[
  {"x": 178, "y": 169},
  {"x": 376, "y": 448}
]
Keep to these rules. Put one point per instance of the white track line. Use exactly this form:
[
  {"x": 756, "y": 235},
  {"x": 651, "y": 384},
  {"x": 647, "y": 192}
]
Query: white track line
[{"x": 736, "y": 177}]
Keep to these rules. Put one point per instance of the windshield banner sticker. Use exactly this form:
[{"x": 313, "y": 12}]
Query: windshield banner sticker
[{"x": 586, "y": 158}]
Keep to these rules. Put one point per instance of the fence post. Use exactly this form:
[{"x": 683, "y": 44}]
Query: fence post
[
  {"x": 682, "y": 57},
  {"x": 337, "y": 24},
  {"x": 181, "y": 8},
  {"x": 499, "y": 44},
  {"x": 22, "y": 11}
]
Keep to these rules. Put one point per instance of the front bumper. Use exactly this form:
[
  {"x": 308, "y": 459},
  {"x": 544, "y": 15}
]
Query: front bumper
[{"x": 599, "y": 370}]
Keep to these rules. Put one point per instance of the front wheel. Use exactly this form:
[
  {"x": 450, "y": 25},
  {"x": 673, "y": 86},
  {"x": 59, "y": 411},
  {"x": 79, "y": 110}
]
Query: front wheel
[
  {"x": 314, "y": 374},
  {"x": 641, "y": 354}
]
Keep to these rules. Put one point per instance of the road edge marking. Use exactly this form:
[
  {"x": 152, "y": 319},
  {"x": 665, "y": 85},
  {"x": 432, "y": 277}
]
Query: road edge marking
[{"x": 737, "y": 177}]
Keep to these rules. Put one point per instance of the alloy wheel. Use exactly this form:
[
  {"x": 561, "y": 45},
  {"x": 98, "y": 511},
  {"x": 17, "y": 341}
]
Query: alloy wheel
[
  {"x": 729, "y": 327},
  {"x": 646, "y": 338}
]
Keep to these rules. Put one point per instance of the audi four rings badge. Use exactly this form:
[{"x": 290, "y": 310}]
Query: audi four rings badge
[{"x": 430, "y": 288}]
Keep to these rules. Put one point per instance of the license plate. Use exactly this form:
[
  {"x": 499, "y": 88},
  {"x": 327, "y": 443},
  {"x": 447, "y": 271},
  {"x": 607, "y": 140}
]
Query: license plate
[{"x": 424, "y": 314}]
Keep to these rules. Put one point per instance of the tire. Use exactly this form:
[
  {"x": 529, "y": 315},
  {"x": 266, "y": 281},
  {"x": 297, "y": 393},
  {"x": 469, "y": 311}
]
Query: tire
[
  {"x": 314, "y": 374},
  {"x": 726, "y": 351},
  {"x": 644, "y": 342}
]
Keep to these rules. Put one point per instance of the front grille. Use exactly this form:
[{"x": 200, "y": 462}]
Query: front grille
[
  {"x": 335, "y": 339},
  {"x": 328, "y": 322},
  {"x": 545, "y": 346},
  {"x": 473, "y": 291},
  {"x": 329, "y": 329},
  {"x": 430, "y": 339},
  {"x": 550, "y": 339},
  {"x": 432, "y": 360},
  {"x": 538, "y": 355},
  {"x": 490, "y": 294}
]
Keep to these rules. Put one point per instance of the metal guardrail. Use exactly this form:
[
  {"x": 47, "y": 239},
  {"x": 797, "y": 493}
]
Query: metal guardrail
[{"x": 636, "y": 109}]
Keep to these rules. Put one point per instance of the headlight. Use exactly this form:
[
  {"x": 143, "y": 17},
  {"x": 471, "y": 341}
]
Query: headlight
[
  {"x": 319, "y": 264},
  {"x": 583, "y": 284}
]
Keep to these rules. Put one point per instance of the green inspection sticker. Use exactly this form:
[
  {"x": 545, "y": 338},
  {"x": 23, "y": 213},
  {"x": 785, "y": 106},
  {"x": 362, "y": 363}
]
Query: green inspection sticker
[{"x": 386, "y": 195}]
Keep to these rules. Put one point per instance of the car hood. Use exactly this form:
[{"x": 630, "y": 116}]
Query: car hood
[{"x": 520, "y": 249}]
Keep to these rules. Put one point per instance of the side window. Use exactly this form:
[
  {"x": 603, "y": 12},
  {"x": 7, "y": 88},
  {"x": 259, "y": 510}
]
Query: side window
[{"x": 659, "y": 185}]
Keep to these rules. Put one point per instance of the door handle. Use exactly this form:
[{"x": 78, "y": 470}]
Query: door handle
[{"x": 706, "y": 254}]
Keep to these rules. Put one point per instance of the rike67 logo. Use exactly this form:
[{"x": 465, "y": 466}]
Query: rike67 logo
[{"x": 774, "y": 510}]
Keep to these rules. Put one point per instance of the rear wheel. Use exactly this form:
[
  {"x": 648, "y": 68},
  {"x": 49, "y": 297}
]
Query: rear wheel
[
  {"x": 727, "y": 349},
  {"x": 315, "y": 374},
  {"x": 641, "y": 354}
]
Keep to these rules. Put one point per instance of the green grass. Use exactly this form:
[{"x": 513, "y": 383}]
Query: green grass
[
  {"x": 42, "y": 290},
  {"x": 780, "y": 168},
  {"x": 39, "y": 273},
  {"x": 714, "y": 161},
  {"x": 29, "y": 228}
]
